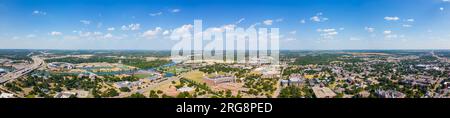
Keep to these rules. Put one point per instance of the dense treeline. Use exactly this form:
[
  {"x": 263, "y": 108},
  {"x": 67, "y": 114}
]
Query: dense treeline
[
  {"x": 144, "y": 64},
  {"x": 76, "y": 60},
  {"x": 296, "y": 92},
  {"x": 127, "y": 53},
  {"x": 15, "y": 54},
  {"x": 136, "y": 62},
  {"x": 324, "y": 59},
  {"x": 319, "y": 59}
]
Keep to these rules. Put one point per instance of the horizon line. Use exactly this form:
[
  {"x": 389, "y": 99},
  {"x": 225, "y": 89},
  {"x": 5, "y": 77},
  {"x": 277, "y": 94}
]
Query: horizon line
[{"x": 222, "y": 50}]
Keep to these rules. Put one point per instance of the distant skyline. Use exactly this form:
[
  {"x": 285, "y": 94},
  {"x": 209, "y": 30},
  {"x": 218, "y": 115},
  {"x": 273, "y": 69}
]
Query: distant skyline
[{"x": 303, "y": 24}]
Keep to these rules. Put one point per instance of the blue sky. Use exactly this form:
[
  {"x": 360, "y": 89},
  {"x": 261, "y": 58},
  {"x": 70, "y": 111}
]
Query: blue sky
[{"x": 303, "y": 24}]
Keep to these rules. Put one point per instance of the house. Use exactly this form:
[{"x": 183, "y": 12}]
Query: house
[
  {"x": 447, "y": 85},
  {"x": 82, "y": 94},
  {"x": 219, "y": 79},
  {"x": 423, "y": 81},
  {"x": 268, "y": 71},
  {"x": 127, "y": 84},
  {"x": 389, "y": 94},
  {"x": 363, "y": 94},
  {"x": 64, "y": 94},
  {"x": 2, "y": 70},
  {"x": 6, "y": 95},
  {"x": 296, "y": 80},
  {"x": 91, "y": 76},
  {"x": 185, "y": 89},
  {"x": 284, "y": 82},
  {"x": 60, "y": 65}
]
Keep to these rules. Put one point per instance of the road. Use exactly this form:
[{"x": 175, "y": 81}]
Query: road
[
  {"x": 37, "y": 62},
  {"x": 278, "y": 90}
]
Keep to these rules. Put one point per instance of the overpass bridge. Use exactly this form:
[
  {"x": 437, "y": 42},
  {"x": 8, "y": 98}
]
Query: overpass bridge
[{"x": 37, "y": 62}]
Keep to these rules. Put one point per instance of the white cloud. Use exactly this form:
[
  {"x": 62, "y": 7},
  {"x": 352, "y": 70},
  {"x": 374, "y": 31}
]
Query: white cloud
[
  {"x": 151, "y": 34},
  {"x": 86, "y": 22},
  {"x": 445, "y": 0},
  {"x": 175, "y": 10},
  {"x": 84, "y": 34},
  {"x": 315, "y": 18},
  {"x": 410, "y": 20},
  {"x": 391, "y": 18},
  {"x": 268, "y": 22},
  {"x": 303, "y": 21},
  {"x": 131, "y": 27},
  {"x": 108, "y": 36},
  {"x": 293, "y": 32},
  {"x": 326, "y": 30},
  {"x": 341, "y": 28},
  {"x": 406, "y": 25},
  {"x": 369, "y": 29},
  {"x": 31, "y": 36},
  {"x": 89, "y": 34},
  {"x": 55, "y": 33},
  {"x": 391, "y": 36},
  {"x": 327, "y": 33},
  {"x": 92, "y": 35},
  {"x": 166, "y": 32},
  {"x": 111, "y": 29},
  {"x": 156, "y": 14},
  {"x": 354, "y": 39},
  {"x": 318, "y": 18},
  {"x": 37, "y": 12},
  {"x": 182, "y": 31},
  {"x": 98, "y": 33},
  {"x": 388, "y": 34},
  {"x": 71, "y": 37},
  {"x": 442, "y": 8}
]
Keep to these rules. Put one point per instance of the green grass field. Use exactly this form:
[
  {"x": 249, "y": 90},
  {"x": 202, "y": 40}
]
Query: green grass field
[{"x": 195, "y": 76}]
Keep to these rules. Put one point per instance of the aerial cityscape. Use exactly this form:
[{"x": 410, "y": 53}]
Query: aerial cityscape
[
  {"x": 322, "y": 49},
  {"x": 151, "y": 74}
]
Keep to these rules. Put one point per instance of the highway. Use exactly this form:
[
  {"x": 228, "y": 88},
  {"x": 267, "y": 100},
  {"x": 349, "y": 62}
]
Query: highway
[{"x": 37, "y": 62}]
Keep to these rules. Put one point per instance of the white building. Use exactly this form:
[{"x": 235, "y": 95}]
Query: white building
[
  {"x": 185, "y": 89},
  {"x": 127, "y": 84},
  {"x": 64, "y": 94},
  {"x": 6, "y": 95}
]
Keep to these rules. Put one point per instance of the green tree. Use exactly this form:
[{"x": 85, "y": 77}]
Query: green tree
[
  {"x": 136, "y": 95},
  {"x": 184, "y": 95},
  {"x": 125, "y": 89},
  {"x": 110, "y": 93},
  {"x": 153, "y": 94}
]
